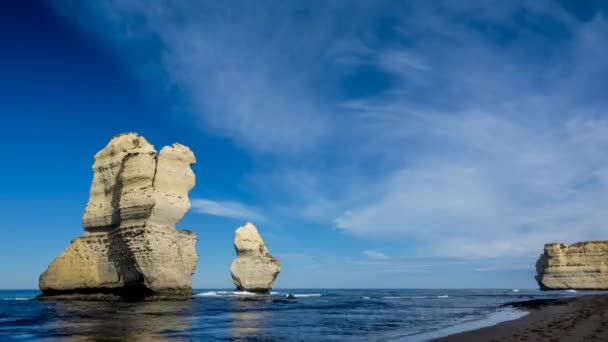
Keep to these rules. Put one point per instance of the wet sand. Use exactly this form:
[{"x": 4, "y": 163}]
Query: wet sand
[{"x": 574, "y": 319}]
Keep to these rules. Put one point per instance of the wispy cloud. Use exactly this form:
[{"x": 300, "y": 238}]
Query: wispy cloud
[
  {"x": 229, "y": 209},
  {"x": 504, "y": 189},
  {"x": 233, "y": 63},
  {"x": 375, "y": 255},
  {"x": 505, "y": 153}
]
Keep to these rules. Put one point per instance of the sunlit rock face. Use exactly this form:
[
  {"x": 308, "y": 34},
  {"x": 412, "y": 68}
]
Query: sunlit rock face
[
  {"x": 254, "y": 269},
  {"x": 130, "y": 247},
  {"x": 582, "y": 266}
]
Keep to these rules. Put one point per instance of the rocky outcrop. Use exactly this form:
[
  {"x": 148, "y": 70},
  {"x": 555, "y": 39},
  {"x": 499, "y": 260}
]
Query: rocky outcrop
[
  {"x": 581, "y": 266},
  {"x": 254, "y": 269},
  {"x": 130, "y": 247}
]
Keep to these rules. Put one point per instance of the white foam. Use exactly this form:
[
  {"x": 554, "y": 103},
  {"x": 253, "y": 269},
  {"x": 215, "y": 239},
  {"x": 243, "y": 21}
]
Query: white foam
[
  {"x": 404, "y": 297},
  {"x": 246, "y": 293},
  {"x": 443, "y": 296},
  {"x": 571, "y": 291},
  {"x": 364, "y": 297},
  {"x": 228, "y": 294},
  {"x": 19, "y": 298},
  {"x": 515, "y": 290},
  {"x": 304, "y": 295}
]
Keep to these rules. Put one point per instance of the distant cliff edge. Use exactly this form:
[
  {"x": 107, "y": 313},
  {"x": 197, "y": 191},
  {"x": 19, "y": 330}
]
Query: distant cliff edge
[{"x": 580, "y": 266}]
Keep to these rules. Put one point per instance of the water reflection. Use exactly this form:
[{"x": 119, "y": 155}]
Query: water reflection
[
  {"x": 247, "y": 318},
  {"x": 142, "y": 321}
]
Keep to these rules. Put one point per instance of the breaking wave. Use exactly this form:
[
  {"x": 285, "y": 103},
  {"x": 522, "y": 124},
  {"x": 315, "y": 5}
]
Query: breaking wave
[
  {"x": 304, "y": 295},
  {"x": 224, "y": 294},
  {"x": 247, "y": 293}
]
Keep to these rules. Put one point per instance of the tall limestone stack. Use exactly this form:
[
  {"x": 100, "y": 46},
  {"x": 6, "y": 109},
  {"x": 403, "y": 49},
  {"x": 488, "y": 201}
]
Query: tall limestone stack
[
  {"x": 254, "y": 269},
  {"x": 581, "y": 266},
  {"x": 130, "y": 247}
]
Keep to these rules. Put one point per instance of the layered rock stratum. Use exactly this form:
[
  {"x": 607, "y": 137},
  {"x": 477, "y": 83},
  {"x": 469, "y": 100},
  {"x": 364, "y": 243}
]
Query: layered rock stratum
[
  {"x": 130, "y": 247},
  {"x": 580, "y": 266},
  {"x": 254, "y": 269}
]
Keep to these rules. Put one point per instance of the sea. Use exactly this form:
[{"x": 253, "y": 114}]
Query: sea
[{"x": 227, "y": 315}]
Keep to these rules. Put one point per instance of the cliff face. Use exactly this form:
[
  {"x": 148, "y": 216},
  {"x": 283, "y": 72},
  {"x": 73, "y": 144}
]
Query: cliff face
[
  {"x": 581, "y": 266},
  {"x": 130, "y": 247},
  {"x": 254, "y": 269}
]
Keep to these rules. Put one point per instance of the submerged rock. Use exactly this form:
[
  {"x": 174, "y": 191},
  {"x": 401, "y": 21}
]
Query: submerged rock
[
  {"x": 130, "y": 247},
  {"x": 581, "y": 266},
  {"x": 254, "y": 269}
]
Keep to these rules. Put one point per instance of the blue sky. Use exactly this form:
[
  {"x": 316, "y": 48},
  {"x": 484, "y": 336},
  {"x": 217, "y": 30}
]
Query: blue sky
[{"x": 374, "y": 144}]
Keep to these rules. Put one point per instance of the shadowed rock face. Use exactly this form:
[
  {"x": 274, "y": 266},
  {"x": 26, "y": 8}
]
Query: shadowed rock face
[
  {"x": 254, "y": 269},
  {"x": 130, "y": 247},
  {"x": 582, "y": 266}
]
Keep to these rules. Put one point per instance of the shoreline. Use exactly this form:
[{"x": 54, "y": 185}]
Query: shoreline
[{"x": 565, "y": 319}]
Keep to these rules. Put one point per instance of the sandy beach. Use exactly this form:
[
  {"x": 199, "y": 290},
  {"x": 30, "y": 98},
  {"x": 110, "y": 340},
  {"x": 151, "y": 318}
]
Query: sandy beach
[{"x": 575, "y": 319}]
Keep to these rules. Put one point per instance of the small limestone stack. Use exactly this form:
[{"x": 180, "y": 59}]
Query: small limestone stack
[
  {"x": 254, "y": 269},
  {"x": 581, "y": 266},
  {"x": 130, "y": 247}
]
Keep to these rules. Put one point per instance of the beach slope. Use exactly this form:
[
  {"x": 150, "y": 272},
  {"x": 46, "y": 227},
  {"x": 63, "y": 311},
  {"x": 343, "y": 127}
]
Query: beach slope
[{"x": 575, "y": 319}]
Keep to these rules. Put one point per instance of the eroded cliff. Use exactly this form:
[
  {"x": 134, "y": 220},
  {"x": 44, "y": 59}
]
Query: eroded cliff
[
  {"x": 254, "y": 269},
  {"x": 130, "y": 247},
  {"x": 582, "y": 266}
]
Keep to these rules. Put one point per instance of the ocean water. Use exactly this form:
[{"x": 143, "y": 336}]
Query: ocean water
[{"x": 225, "y": 315}]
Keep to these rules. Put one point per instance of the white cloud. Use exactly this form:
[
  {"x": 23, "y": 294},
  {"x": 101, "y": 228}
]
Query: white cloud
[
  {"x": 504, "y": 156},
  {"x": 504, "y": 189},
  {"x": 229, "y": 209},
  {"x": 375, "y": 255}
]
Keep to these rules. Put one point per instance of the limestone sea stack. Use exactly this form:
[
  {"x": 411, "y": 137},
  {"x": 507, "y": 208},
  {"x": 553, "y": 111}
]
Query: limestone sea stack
[
  {"x": 130, "y": 248},
  {"x": 254, "y": 269},
  {"x": 581, "y": 266}
]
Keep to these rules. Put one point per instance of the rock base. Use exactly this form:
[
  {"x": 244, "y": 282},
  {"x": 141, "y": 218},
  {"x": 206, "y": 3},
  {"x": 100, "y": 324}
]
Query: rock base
[{"x": 130, "y": 294}]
